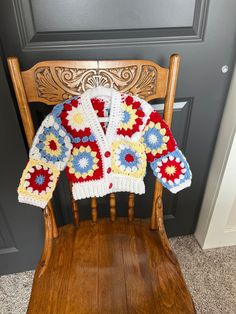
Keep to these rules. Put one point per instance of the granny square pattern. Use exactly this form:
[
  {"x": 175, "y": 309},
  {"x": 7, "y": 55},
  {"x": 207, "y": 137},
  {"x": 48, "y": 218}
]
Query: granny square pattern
[
  {"x": 102, "y": 156},
  {"x": 128, "y": 158},
  {"x": 37, "y": 183}
]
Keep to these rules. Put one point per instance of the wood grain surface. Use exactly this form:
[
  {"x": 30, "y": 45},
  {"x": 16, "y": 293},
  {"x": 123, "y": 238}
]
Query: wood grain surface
[{"x": 118, "y": 267}]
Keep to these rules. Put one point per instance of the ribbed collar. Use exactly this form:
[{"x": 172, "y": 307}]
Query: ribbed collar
[{"x": 115, "y": 112}]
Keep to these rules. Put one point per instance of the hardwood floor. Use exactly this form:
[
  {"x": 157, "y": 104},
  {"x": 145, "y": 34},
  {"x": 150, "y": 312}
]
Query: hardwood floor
[{"x": 117, "y": 267}]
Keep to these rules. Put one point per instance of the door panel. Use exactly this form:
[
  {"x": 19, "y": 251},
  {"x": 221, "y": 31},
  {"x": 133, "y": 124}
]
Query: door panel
[
  {"x": 80, "y": 24},
  {"x": 201, "y": 31},
  {"x": 111, "y": 15}
]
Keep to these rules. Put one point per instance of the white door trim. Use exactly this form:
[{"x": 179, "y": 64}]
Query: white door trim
[{"x": 217, "y": 221}]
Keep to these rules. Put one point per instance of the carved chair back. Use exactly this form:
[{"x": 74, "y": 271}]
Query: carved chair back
[{"x": 52, "y": 82}]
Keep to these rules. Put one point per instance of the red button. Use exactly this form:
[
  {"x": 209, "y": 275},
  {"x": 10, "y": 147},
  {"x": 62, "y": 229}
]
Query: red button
[
  {"x": 110, "y": 185},
  {"x": 107, "y": 154},
  {"x": 109, "y": 170}
]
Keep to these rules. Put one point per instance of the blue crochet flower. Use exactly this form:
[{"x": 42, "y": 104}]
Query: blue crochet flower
[
  {"x": 83, "y": 162},
  {"x": 52, "y": 145},
  {"x": 40, "y": 179},
  {"x": 126, "y": 117},
  {"x": 153, "y": 138},
  {"x": 129, "y": 158}
]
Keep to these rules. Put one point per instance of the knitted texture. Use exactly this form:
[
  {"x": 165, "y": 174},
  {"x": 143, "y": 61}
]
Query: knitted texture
[{"x": 101, "y": 157}]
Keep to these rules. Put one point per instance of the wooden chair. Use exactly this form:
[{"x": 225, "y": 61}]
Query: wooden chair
[{"x": 111, "y": 265}]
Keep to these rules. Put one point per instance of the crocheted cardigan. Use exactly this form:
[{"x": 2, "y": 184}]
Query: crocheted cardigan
[{"x": 102, "y": 157}]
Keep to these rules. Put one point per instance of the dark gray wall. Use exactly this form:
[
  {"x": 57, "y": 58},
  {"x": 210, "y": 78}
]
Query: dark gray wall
[{"x": 21, "y": 227}]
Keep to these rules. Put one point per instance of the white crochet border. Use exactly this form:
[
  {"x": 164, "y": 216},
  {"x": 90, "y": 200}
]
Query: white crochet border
[
  {"x": 31, "y": 201},
  {"x": 100, "y": 187},
  {"x": 180, "y": 187}
]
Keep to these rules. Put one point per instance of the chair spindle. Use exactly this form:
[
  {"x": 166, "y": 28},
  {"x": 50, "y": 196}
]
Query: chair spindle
[
  {"x": 112, "y": 207},
  {"x": 94, "y": 209},
  {"x": 131, "y": 207},
  {"x": 75, "y": 209},
  {"x": 75, "y": 213}
]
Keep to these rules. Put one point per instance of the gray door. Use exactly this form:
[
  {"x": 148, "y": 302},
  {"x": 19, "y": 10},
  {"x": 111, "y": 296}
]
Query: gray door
[{"x": 201, "y": 31}]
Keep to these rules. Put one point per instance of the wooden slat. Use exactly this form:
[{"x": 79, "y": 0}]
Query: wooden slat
[
  {"x": 57, "y": 275},
  {"x": 131, "y": 207},
  {"x": 55, "y": 91},
  {"x": 137, "y": 278},
  {"x": 19, "y": 88},
  {"x": 82, "y": 296},
  {"x": 162, "y": 233},
  {"x": 141, "y": 65},
  {"x": 94, "y": 212},
  {"x": 112, "y": 206},
  {"x": 48, "y": 238},
  {"x": 21, "y": 97},
  {"x": 111, "y": 277},
  {"x": 110, "y": 268},
  {"x": 48, "y": 81},
  {"x": 168, "y": 112},
  {"x": 168, "y": 285}
]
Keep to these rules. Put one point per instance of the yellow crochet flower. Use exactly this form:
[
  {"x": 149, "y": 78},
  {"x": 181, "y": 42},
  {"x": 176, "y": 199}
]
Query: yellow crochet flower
[
  {"x": 129, "y": 117},
  {"x": 76, "y": 119},
  {"x": 170, "y": 170}
]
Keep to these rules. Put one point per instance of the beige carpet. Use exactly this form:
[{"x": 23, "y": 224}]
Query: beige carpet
[{"x": 210, "y": 276}]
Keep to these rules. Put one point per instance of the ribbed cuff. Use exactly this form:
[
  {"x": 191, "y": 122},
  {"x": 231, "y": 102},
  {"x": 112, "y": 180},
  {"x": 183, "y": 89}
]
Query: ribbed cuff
[
  {"x": 31, "y": 201},
  {"x": 180, "y": 187}
]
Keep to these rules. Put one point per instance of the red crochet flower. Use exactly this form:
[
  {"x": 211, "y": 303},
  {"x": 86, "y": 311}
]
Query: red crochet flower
[
  {"x": 132, "y": 117},
  {"x": 99, "y": 107},
  {"x": 170, "y": 170},
  {"x": 39, "y": 179},
  {"x": 153, "y": 120}
]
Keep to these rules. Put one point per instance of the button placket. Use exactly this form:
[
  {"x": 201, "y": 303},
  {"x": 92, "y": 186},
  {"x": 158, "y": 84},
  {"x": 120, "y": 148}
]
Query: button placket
[
  {"x": 107, "y": 155},
  {"x": 104, "y": 140}
]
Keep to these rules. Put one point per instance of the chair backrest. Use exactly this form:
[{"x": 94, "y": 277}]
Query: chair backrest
[{"x": 51, "y": 82}]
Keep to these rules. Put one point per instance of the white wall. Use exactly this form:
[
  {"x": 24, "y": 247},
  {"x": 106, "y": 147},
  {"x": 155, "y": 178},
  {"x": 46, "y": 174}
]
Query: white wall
[{"x": 217, "y": 221}]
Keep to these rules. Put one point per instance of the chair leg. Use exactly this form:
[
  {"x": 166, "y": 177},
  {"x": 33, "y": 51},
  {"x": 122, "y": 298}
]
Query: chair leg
[
  {"x": 157, "y": 221},
  {"x": 53, "y": 221},
  {"x": 112, "y": 207},
  {"x": 48, "y": 238},
  {"x": 94, "y": 209},
  {"x": 75, "y": 208},
  {"x": 157, "y": 193},
  {"x": 162, "y": 232},
  {"x": 131, "y": 207}
]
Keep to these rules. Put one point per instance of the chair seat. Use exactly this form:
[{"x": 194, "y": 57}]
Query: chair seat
[{"x": 106, "y": 267}]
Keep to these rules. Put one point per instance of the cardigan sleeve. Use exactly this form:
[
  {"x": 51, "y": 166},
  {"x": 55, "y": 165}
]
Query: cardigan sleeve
[
  {"x": 48, "y": 156},
  {"x": 167, "y": 161}
]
